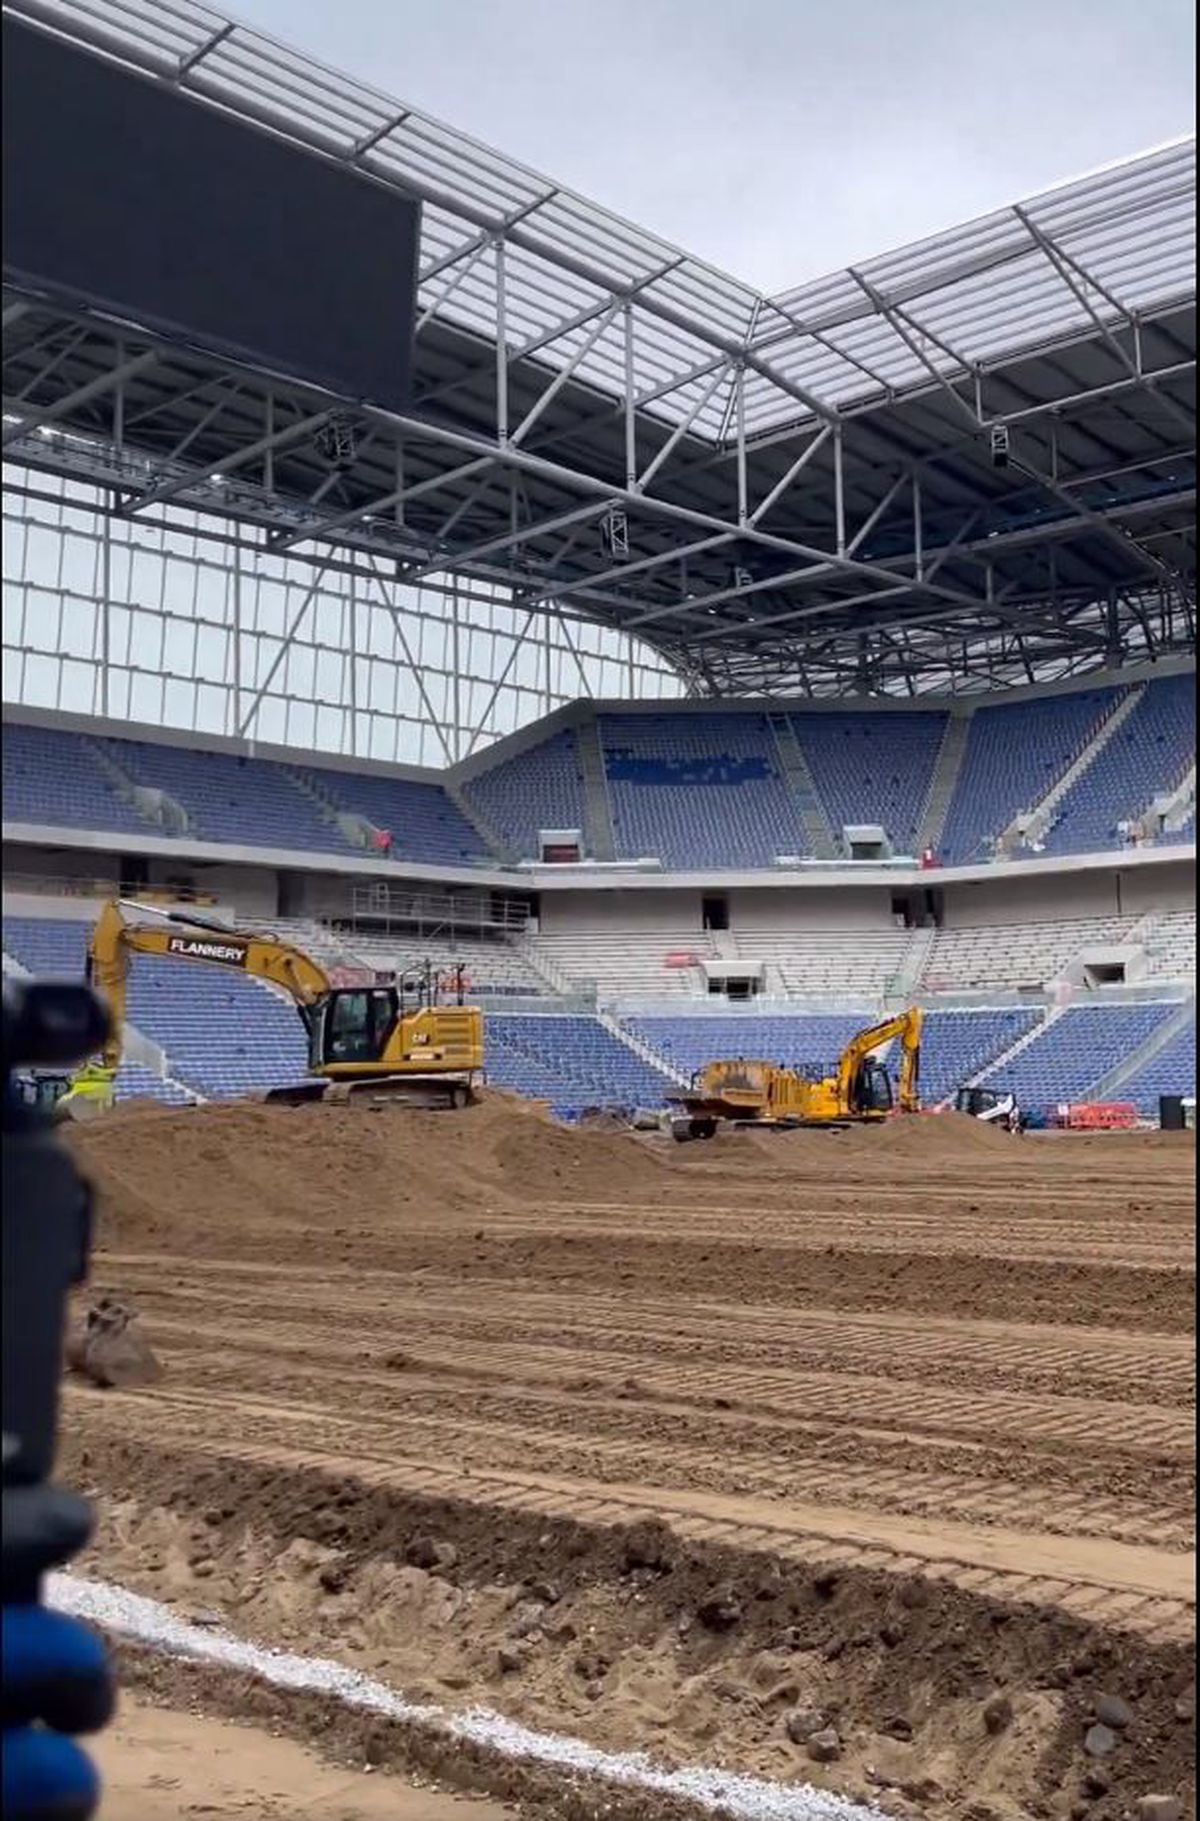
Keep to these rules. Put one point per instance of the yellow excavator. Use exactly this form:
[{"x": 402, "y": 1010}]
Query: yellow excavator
[
  {"x": 763, "y": 1094},
  {"x": 392, "y": 1035}
]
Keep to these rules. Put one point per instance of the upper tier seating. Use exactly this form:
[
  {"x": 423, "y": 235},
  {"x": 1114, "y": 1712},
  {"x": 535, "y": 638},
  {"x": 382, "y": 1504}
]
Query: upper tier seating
[
  {"x": 873, "y": 768},
  {"x": 1146, "y": 756},
  {"x": 252, "y": 802},
  {"x": 541, "y": 787},
  {"x": 1015, "y": 753},
  {"x": 55, "y": 777},
  {"x": 425, "y": 823},
  {"x": 701, "y": 791}
]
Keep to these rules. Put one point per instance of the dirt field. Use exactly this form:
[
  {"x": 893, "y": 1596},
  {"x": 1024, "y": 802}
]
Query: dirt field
[{"x": 670, "y": 1448}]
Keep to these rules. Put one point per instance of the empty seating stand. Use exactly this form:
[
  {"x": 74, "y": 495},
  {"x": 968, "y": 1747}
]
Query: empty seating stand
[
  {"x": 873, "y": 768},
  {"x": 587, "y": 1064},
  {"x": 1171, "y": 1071},
  {"x": 424, "y": 822},
  {"x": 541, "y": 787},
  {"x": 698, "y": 791},
  {"x": 226, "y": 797},
  {"x": 1146, "y": 757},
  {"x": 1015, "y": 753},
  {"x": 56, "y": 778},
  {"x": 1076, "y": 1051},
  {"x": 222, "y": 1033},
  {"x": 957, "y": 1045},
  {"x": 1014, "y": 955},
  {"x": 797, "y": 1041}
]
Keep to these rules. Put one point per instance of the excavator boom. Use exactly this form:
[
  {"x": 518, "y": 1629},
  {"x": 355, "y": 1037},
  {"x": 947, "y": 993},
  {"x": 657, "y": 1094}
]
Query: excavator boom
[
  {"x": 356, "y": 1035},
  {"x": 758, "y": 1093}
]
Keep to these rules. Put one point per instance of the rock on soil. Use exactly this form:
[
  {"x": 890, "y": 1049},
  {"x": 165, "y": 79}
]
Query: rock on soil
[
  {"x": 997, "y": 1714},
  {"x": 1112, "y": 1711},
  {"x": 824, "y": 1747},
  {"x": 802, "y": 1723},
  {"x": 109, "y": 1348}
]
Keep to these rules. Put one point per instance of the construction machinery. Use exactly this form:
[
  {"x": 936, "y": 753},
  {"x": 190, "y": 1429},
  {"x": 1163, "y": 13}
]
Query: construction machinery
[
  {"x": 390, "y": 1035},
  {"x": 992, "y": 1106},
  {"x": 763, "y": 1094}
]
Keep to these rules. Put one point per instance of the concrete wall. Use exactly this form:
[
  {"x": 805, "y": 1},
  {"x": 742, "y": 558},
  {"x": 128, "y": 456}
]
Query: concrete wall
[
  {"x": 1098, "y": 893},
  {"x": 854, "y": 907}
]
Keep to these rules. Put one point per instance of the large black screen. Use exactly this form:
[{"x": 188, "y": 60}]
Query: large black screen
[{"x": 126, "y": 195}]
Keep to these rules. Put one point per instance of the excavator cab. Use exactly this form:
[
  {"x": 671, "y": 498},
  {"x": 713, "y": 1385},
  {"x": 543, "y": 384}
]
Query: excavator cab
[
  {"x": 871, "y": 1092},
  {"x": 351, "y": 1025}
]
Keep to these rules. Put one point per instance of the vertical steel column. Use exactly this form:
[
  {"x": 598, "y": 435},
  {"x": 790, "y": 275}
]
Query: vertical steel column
[
  {"x": 456, "y": 668},
  {"x": 269, "y": 452},
  {"x": 119, "y": 406},
  {"x": 352, "y": 692},
  {"x": 236, "y": 654},
  {"x": 743, "y": 504},
  {"x": 501, "y": 347},
  {"x": 918, "y": 530},
  {"x": 839, "y": 491},
  {"x": 630, "y": 411},
  {"x": 105, "y": 611}
]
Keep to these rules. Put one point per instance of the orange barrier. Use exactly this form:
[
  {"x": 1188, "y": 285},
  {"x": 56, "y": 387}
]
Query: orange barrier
[{"x": 1099, "y": 1116}]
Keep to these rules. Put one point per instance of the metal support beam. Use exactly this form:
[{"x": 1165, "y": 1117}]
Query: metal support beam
[
  {"x": 801, "y": 462},
  {"x": 560, "y": 380},
  {"x": 237, "y": 458},
  {"x": 397, "y": 498},
  {"x": 41, "y": 418}
]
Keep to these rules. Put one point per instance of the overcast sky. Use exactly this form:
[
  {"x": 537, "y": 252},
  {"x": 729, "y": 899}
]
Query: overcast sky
[{"x": 778, "y": 138}]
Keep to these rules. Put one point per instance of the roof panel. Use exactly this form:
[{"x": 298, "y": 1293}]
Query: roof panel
[{"x": 985, "y": 289}]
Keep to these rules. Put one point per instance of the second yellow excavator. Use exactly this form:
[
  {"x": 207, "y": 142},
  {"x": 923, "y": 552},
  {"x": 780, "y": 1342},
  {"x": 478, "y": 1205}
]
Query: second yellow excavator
[
  {"x": 392, "y": 1035},
  {"x": 764, "y": 1094}
]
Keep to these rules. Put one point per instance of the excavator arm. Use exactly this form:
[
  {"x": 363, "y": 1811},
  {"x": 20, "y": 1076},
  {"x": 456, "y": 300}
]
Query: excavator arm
[
  {"x": 906, "y": 1026},
  {"x": 115, "y": 939}
]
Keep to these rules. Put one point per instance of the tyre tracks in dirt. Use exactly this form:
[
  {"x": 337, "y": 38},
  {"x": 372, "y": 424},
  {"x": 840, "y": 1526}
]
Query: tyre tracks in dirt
[{"x": 972, "y": 1373}]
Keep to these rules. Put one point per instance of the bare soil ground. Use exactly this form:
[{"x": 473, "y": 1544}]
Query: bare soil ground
[
  {"x": 662, "y": 1445},
  {"x": 162, "y": 1765}
]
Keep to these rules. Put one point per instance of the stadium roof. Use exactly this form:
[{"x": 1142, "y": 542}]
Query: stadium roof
[{"x": 781, "y": 493}]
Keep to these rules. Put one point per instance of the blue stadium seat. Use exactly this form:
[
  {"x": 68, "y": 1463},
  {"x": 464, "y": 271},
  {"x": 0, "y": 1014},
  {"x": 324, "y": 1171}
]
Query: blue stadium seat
[
  {"x": 53, "y": 777},
  {"x": 541, "y": 787},
  {"x": 1015, "y": 753},
  {"x": 873, "y": 768},
  {"x": 1148, "y": 755},
  {"x": 573, "y": 1060},
  {"x": 1076, "y": 1051},
  {"x": 698, "y": 790},
  {"x": 424, "y": 822},
  {"x": 1172, "y": 1071}
]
